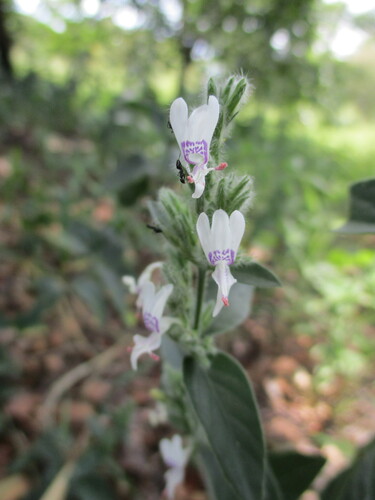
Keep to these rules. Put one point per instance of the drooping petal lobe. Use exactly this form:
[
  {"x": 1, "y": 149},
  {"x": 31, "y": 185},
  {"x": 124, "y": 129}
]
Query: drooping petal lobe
[
  {"x": 224, "y": 280},
  {"x": 144, "y": 345}
]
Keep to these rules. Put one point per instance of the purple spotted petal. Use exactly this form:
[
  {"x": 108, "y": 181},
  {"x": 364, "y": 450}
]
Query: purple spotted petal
[
  {"x": 189, "y": 149},
  {"x": 151, "y": 322},
  {"x": 228, "y": 256}
]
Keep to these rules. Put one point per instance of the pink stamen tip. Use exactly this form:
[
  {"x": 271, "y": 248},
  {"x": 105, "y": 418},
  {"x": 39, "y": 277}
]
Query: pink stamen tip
[
  {"x": 129, "y": 349},
  {"x": 154, "y": 356},
  {"x": 221, "y": 166},
  {"x": 225, "y": 301},
  {"x": 190, "y": 179}
]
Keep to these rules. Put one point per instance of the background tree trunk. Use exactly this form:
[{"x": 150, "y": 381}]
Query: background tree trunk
[{"x": 5, "y": 40}]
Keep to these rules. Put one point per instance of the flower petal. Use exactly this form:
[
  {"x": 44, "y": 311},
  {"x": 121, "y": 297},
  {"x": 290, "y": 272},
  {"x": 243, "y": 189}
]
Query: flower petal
[
  {"x": 221, "y": 239},
  {"x": 224, "y": 280},
  {"x": 173, "y": 452},
  {"x": 165, "y": 323},
  {"x": 178, "y": 117},
  {"x": 130, "y": 282},
  {"x": 148, "y": 296},
  {"x": 173, "y": 477},
  {"x": 160, "y": 300},
  {"x": 237, "y": 229},
  {"x": 147, "y": 272},
  {"x": 204, "y": 233},
  {"x": 200, "y": 181},
  {"x": 203, "y": 120},
  {"x": 144, "y": 345}
]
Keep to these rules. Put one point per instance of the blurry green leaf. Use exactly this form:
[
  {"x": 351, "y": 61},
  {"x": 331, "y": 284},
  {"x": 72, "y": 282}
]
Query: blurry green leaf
[
  {"x": 101, "y": 244},
  {"x": 130, "y": 180},
  {"x": 240, "y": 300},
  {"x": 171, "y": 353},
  {"x": 58, "y": 488},
  {"x": 48, "y": 291},
  {"x": 362, "y": 208},
  {"x": 295, "y": 472},
  {"x": 272, "y": 488},
  {"x": 92, "y": 295},
  {"x": 93, "y": 487},
  {"x": 66, "y": 242},
  {"x": 113, "y": 285},
  {"x": 357, "y": 482},
  {"x": 134, "y": 190},
  {"x": 225, "y": 405},
  {"x": 254, "y": 274}
]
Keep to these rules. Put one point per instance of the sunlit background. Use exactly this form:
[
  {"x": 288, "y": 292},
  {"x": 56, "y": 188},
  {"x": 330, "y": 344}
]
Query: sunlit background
[{"x": 85, "y": 87}]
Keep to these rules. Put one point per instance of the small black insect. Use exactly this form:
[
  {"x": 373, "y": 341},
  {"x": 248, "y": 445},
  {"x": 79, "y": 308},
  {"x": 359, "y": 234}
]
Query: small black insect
[
  {"x": 169, "y": 126},
  {"x": 154, "y": 228},
  {"x": 180, "y": 171}
]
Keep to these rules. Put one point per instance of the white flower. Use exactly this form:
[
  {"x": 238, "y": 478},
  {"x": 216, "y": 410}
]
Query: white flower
[
  {"x": 175, "y": 456},
  {"x": 152, "y": 312},
  {"x": 137, "y": 286},
  {"x": 194, "y": 135},
  {"x": 220, "y": 244}
]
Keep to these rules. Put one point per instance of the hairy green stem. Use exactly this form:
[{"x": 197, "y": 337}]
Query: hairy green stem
[{"x": 200, "y": 293}]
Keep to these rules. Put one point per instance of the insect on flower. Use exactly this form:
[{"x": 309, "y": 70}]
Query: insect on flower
[
  {"x": 180, "y": 171},
  {"x": 220, "y": 243}
]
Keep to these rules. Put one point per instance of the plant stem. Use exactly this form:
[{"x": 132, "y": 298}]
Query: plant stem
[{"x": 200, "y": 293}]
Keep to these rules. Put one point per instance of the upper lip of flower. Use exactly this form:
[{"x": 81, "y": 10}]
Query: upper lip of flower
[
  {"x": 194, "y": 133},
  {"x": 220, "y": 243}
]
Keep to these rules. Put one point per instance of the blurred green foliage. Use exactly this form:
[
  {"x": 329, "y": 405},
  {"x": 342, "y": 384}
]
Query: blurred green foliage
[{"x": 84, "y": 145}]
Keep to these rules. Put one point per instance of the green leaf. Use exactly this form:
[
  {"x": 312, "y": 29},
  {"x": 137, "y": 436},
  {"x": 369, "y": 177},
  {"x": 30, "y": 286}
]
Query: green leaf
[
  {"x": 357, "y": 482},
  {"x": 240, "y": 300},
  {"x": 272, "y": 490},
  {"x": 225, "y": 405},
  {"x": 113, "y": 284},
  {"x": 254, "y": 274},
  {"x": 304, "y": 467},
  {"x": 91, "y": 293},
  {"x": 171, "y": 353},
  {"x": 217, "y": 484},
  {"x": 362, "y": 208}
]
